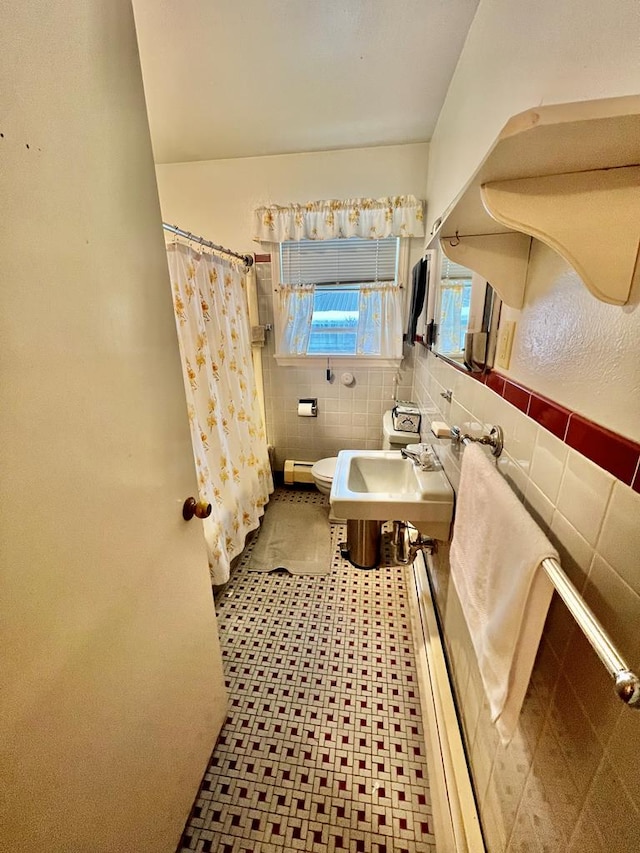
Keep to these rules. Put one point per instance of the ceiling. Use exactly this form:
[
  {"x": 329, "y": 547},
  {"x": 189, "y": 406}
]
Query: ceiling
[{"x": 243, "y": 78}]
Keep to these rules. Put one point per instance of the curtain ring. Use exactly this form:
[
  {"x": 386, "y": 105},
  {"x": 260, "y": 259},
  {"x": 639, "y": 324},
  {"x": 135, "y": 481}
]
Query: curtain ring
[{"x": 457, "y": 239}]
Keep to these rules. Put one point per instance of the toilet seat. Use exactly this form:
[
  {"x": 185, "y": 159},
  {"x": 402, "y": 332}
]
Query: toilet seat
[{"x": 324, "y": 469}]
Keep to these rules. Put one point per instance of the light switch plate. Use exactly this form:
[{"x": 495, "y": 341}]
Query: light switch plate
[{"x": 505, "y": 343}]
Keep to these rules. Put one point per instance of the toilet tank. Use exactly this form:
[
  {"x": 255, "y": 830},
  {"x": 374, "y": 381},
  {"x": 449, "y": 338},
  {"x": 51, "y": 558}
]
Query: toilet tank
[{"x": 394, "y": 439}]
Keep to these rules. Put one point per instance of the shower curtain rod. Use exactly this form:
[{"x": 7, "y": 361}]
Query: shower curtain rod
[{"x": 246, "y": 259}]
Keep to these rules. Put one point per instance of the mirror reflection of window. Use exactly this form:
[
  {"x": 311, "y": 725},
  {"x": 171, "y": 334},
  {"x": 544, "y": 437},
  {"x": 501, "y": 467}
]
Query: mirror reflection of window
[{"x": 455, "y": 302}]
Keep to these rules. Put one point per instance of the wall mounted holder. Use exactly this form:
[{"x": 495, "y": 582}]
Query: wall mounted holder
[
  {"x": 308, "y": 407},
  {"x": 495, "y": 439},
  {"x": 567, "y": 175}
]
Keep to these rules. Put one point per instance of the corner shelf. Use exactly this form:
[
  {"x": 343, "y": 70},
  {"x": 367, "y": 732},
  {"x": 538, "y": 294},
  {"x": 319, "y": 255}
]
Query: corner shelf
[{"x": 567, "y": 175}]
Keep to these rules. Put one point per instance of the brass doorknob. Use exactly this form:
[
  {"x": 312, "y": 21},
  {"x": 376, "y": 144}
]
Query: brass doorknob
[{"x": 191, "y": 507}]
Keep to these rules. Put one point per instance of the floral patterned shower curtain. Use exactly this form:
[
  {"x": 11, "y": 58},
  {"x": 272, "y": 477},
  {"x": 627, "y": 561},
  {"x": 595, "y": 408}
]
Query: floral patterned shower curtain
[{"x": 229, "y": 443}]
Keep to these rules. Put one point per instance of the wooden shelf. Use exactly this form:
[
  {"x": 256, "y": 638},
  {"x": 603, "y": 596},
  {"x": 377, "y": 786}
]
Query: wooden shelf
[{"x": 567, "y": 175}]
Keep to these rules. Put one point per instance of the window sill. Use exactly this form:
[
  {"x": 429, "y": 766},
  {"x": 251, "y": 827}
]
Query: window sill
[{"x": 355, "y": 360}]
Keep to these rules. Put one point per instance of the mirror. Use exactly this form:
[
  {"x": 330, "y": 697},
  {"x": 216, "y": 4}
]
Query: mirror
[{"x": 463, "y": 314}]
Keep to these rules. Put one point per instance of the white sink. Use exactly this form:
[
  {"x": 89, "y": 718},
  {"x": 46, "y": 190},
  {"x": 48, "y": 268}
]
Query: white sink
[{"x": 379, "y": 485}]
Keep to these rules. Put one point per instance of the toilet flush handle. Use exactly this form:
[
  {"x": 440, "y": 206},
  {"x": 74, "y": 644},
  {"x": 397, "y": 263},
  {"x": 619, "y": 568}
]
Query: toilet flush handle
[{"x": 191, "y": 507}]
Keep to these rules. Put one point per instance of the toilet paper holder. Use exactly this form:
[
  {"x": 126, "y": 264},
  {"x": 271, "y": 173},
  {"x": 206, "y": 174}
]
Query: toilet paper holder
[{"x": 308, "y": 407}]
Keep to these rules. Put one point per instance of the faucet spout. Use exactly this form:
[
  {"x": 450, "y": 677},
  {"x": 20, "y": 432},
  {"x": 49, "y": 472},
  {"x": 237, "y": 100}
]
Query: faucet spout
[
  {"x": 408, "y": 454},
  {"x": 422, "y": 456}
]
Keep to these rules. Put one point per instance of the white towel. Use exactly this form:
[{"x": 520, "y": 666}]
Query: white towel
[{"x": 496, "y": 554}]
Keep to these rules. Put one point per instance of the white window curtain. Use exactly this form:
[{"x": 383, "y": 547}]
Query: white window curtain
[
  {"x": 296, "y": 310},
  {"x": 228, "y": 437},
  {"x": 451, "y": 326},
  {"x": 380, "y": 320},
  {"x": 395, "y": 216},
  {"x": 455, "y": 282}
]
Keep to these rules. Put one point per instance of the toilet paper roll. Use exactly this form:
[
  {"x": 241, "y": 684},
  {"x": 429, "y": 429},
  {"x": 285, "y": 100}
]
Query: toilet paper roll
[{"x": 306, "y": 410}]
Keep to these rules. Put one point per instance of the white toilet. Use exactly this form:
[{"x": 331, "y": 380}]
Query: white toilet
[
  {"x": 322, "y": 473},
  {"x": 392, "y": 439}
]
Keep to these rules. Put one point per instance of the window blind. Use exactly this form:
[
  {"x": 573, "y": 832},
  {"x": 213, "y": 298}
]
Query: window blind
[
  {"x": 350, "y": 261},
  {"x": 449, "y": 270}
]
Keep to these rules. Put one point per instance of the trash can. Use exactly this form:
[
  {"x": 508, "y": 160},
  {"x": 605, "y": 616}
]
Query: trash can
[{"x": 363, "y": 542}]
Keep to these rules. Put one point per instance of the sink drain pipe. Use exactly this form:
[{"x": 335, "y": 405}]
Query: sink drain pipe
[{"x": 404, "y": 550}]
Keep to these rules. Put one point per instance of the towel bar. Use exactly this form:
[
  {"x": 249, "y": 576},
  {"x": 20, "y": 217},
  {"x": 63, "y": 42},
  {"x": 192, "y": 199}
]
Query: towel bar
[
  {"x": 627, "y": 683},
  {"x": 495, "y": 439}
]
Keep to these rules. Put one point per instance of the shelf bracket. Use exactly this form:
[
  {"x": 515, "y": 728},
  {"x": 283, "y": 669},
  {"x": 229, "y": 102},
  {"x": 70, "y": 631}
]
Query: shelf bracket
[
  {"x": 590, "y": 218},
  {"x": 501, "y": 259}
]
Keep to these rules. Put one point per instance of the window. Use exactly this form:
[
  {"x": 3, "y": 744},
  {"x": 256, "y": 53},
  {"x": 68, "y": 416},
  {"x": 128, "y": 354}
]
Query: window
[
  {"x": 334, "y": 320},
  {"x": 338, "y": 296},
  {"x": 455, "y": 301}
]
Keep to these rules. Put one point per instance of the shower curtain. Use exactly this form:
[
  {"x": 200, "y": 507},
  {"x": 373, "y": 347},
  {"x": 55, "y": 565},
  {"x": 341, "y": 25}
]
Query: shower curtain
[{"x": 229, "y": 443}]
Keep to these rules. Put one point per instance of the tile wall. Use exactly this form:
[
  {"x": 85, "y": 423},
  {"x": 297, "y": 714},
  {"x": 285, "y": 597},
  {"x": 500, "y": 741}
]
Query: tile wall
[
  {"x": 348, "y": 417},
  {"x": 570, "y": 778}
]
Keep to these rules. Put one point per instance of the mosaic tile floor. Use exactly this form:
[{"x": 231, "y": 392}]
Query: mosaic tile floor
[{"x": 323, "y": 747}]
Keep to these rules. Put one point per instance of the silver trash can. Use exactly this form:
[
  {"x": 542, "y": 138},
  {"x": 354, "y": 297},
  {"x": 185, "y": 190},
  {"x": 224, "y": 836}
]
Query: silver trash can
[{"x": 363, "y": 542}]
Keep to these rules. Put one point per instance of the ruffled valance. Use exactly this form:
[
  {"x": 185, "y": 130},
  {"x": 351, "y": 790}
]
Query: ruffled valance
[{"x": 396, "y": 216}]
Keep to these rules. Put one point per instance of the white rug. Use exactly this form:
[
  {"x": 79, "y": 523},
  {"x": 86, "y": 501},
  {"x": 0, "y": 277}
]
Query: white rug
[{"x": 295, "y": 537}]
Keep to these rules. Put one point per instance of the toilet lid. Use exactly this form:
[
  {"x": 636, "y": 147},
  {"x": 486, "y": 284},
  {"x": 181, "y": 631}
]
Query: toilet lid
[{"x": 324, "y": 469}]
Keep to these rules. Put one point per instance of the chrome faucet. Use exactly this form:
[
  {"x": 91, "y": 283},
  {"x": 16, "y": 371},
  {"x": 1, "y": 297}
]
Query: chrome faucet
[
  {"x": 409, "y": 454},
  {"x": 421, "y": 455}
]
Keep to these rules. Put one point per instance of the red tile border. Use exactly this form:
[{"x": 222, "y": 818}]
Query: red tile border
[
  {"x": 262, "y": 259},
  {"x": 495, "y": 382},
  {"x": 610, "y": 451},
  {"x": 615, "y": 453},
  {"x": 550, "y": 415},
  {"x": 480, "y": 377},
  {"x": 517, "y": 396},
  {"x": 618, "y": 455}
]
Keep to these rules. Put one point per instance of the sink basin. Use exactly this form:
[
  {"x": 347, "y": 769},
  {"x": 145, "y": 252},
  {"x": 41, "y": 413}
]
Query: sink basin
[{"x": 379, "y": 485}]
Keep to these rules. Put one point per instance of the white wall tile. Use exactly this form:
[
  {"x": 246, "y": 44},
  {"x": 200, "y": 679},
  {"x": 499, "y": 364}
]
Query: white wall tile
[
  {"x": 539, "y": 506},
  {"x": 575, "y": 552},
  {"x": 594, "y": 521},
  {"x": 619, "y": 541},
  {"x": 584, "y": 494},
  {"x": 513, "y": 474},
  {"x": 548, "y": 461},
  {"x": 616, "y": 605},
  {"x": 521, "y": 438}
]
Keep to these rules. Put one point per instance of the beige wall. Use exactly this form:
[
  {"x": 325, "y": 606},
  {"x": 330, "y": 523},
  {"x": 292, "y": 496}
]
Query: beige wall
[
  {"x": 568, "y": 346},
  {"x": 518, "y": 55},
  {"x": 217, "y": 198},
  {"x": 111, "y": 684},
  {"x": 575, "y": 349}
]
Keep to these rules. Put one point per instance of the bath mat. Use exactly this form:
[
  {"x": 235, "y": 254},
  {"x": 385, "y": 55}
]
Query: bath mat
[{"x": 293, "y": 536}]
